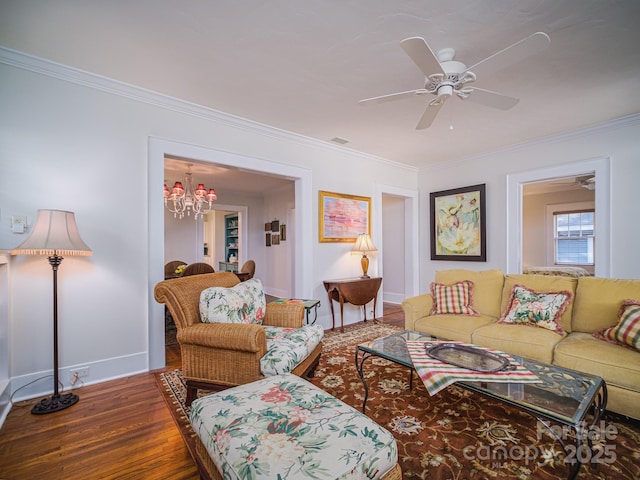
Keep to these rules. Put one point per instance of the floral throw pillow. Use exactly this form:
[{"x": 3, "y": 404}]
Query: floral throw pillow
[
  {"x": 627, "y": 331},
  {"x": 244, "y": 303},
  {"x": 528, "y": 307},
  {"x": 456, "y": 299}
]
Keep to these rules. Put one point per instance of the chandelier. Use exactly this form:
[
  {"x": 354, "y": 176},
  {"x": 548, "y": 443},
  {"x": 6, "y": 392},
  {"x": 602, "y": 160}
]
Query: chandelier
[{"x": 185, "y": 199}]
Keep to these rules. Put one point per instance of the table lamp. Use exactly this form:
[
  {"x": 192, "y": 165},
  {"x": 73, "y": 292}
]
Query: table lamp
[
  {"x": 54, "y": 234},
  {"x": 364, "y": 245}
]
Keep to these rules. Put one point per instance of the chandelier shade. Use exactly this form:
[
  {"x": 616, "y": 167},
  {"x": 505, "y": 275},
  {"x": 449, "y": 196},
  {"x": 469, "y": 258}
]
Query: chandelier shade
[{"x": 181, "y": 200}]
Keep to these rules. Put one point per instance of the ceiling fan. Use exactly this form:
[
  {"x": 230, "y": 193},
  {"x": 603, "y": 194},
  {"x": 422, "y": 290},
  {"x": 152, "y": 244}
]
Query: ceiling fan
[
  {"x": 584, "y": 181},
  {"x": 445, "y": 77}
]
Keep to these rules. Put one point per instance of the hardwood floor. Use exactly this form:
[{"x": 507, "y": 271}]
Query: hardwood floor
[{"x": 121, "y": 429}]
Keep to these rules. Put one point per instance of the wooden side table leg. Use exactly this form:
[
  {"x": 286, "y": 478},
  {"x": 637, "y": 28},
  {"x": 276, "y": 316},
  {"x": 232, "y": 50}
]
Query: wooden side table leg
[
  {"x": 375, "y": 303},
  {"x": 333, "y": 316}
]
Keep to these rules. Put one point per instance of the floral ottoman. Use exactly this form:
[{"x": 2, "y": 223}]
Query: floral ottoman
[{"x": 283, "y": 427}]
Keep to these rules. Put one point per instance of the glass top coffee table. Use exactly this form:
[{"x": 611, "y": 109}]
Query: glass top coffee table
[{"x": 564, "y": 397}]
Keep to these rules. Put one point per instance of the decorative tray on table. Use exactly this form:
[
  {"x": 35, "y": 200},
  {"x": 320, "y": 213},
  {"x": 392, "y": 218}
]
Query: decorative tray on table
[{"x": 468, "y": 356}]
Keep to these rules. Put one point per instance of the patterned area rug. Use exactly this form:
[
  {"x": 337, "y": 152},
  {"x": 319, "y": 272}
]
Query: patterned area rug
[{"x": 453, "y": 435}]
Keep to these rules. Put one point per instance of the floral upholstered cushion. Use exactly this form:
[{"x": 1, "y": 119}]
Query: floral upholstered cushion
[
  {"x": 627, "y": 331},
  {"x": 284, "y": 427},
  {"x": 456, "y": 299},
  {"x": 287, "y": 347},
  {"x": 244, "y": 303},
  {"x": 528, "y": 307}
]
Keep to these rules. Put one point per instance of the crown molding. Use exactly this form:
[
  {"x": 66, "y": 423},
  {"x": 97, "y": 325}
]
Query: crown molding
[
  {"x": 69, "y": 74},
  {"x": 622, "y": 122}
]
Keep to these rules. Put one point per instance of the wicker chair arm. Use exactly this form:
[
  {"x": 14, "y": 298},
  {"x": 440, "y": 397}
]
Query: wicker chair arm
[
  {"x": 289, "y": 315},
  {"x": 226, "y": 336}
]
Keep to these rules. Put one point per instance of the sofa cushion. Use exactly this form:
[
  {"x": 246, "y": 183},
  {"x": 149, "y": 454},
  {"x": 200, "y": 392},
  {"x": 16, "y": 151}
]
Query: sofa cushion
[
  {"x": 522, "y": 340},
  {"x": 617, "y": 365},
  {"x": 542, "y": 284},
  {"x": 528, "y": 307},
  {"x": 487, "y": 287},
  {"x": 452, "y": 327},
  {"x": 627, "y": 331},
  {"x": 287, "y": 347},
  {"x": 243, "y": 303},
  {"x": 454, "y": 299},
  {"x": 598, "y": 301},
  {"x": 284, "y": 427}
]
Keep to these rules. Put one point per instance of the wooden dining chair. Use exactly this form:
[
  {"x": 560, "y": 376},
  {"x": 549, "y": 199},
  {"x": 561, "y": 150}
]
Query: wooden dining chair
[
  {"x": 170, "y": 268},
  {"x": 197, "y": 268},
  {"x": 248, "y": 267}
]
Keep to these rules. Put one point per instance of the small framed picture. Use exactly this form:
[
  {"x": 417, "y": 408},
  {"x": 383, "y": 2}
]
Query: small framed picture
[
  {"x": 275, "y": 226},
  {"x": 267, "y": 238},
  {"x": 275, "y": 239},
  {"x": 267, "y": 227},
  {"x": 283, "y": 232}
]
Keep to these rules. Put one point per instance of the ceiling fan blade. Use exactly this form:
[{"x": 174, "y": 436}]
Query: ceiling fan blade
[
  {"x": 492, "y": 99},
  {"x": 513, "y": 54},
  {"x": 429, "y": 115},
  {"x": 422, "y": 56},
  {"x": 586, "y": 178},
  {"x": 392, "y": 96}
]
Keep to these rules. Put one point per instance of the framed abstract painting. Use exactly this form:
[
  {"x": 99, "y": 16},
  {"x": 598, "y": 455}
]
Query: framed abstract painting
[
  {"x": 343, "y": 217},
  {"x": 458, "y": 224}
]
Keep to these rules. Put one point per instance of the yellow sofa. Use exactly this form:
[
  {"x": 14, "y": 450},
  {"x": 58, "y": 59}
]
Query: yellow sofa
[{"x": 594, "y": 307}]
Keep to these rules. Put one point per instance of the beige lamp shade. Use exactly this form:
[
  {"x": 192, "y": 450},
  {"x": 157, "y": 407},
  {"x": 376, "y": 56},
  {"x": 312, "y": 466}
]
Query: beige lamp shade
[
  {"x": 364, "y": 245},
  {"x": 54, "y": 233}
]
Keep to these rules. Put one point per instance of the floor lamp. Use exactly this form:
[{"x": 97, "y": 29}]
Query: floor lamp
[{"x": 54, "y": 234}]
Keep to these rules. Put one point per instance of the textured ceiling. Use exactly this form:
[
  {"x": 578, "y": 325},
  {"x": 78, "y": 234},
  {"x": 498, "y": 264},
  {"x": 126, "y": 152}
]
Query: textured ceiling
[{"x": 303, "y": 66}]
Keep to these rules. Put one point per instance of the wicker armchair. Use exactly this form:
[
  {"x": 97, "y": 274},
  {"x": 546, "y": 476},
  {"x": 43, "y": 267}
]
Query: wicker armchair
[{"x": 216, "y": 356}]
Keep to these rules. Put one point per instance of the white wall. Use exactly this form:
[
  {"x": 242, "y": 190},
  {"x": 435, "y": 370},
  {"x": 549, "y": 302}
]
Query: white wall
[
  {"x": 393, "y": 214},
  {"x": 276, "y": 272},
  {"x": 617, "y": 140},
  {"x": 69, "y": 140},
  {"x": 181, "y": 240}
]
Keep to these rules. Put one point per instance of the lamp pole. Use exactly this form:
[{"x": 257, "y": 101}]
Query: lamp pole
[{"x": 56, "y": 402}]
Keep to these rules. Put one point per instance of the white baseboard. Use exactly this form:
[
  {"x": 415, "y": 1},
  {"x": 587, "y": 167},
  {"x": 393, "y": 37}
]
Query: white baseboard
[
  {"x": 392, "y": 297},
  {"x": 5, "y": 397},
  {"x": 39, "y": 384}
]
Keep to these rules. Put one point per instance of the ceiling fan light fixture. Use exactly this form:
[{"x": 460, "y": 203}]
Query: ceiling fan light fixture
[{"x": 445, "y": 90}]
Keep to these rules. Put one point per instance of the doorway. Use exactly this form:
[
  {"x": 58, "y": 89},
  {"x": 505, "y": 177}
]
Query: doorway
[
  {"x": 158, "y": 150},
  {"x": 600, "y": 168},
  {"x": 395, "y": 234},
  {"x": 225, "y": 242}
]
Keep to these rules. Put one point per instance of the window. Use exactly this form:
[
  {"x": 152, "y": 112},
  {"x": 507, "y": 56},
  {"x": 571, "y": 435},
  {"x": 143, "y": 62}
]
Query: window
[{"x": 574, "y": 237}]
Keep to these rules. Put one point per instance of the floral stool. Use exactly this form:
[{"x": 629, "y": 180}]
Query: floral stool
[{"x": 283, "y": 427}]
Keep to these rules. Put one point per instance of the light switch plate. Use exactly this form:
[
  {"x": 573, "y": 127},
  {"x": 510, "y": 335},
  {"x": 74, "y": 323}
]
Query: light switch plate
[{"x": 18, "y": 223}]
